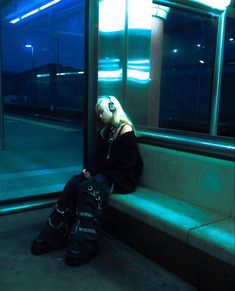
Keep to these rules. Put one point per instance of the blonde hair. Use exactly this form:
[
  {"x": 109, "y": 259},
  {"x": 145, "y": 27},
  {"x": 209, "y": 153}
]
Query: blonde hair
[{"x": 119, "y": 115}]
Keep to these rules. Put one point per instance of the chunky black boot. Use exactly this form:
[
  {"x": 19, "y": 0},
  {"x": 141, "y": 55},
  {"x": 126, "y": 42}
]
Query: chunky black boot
[
  {"x": 55, "y": 234},
  {"x": 83, "y": 246},
  {"x": 81, "y": 252}
]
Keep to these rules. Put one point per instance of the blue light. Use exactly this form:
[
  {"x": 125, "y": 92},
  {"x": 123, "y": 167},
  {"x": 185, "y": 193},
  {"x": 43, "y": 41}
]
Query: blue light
[
  {"x": 15, "y": 20},
  {"x": 48, "y": 4},
  {"x": 30, "y": 13},
  {"x": 175, "y": 51},
  {"x": 198, "y": 45}
]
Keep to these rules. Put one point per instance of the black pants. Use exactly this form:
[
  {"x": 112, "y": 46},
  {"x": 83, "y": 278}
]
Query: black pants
[{"x": 77, "y": 210}]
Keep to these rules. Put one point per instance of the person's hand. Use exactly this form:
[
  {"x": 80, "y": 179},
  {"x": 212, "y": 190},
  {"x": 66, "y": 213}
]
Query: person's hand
[{"x": 86, "y": 173}]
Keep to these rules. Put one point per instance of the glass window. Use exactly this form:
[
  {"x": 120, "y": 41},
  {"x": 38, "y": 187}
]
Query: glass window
[
  {"x": 227, "y": 100},
  {"x": 189, "y": 43},
  {"x": 43, "y": 94}
]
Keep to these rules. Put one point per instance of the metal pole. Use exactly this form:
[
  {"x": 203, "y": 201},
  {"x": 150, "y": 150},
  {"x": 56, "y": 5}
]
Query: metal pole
[
  {"x": 217, "y": 74},
  {"x": 91, "y": 77},
  {"x": 125, "y": 56},
  {"x": 2, "y": 142}
]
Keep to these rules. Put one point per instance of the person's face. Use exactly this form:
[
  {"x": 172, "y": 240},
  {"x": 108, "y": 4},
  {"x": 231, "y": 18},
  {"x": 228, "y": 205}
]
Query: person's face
[{"x": 104, "y": 115}]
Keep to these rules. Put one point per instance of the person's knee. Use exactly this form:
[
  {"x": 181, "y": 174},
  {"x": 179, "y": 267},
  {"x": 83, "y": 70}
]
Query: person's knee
[{"x": 85, "y": 186}]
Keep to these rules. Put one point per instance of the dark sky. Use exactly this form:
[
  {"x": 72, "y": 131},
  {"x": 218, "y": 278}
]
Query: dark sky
[{"x": 55, "y": 33}]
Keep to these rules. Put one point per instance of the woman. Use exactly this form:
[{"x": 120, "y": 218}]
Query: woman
[{"x": 115, "y": 167}]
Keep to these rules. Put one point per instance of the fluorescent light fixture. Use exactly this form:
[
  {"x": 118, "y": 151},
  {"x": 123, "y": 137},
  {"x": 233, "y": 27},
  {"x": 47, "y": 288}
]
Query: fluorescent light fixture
[
  {"x": 139, "y": 14},
  {"x": 15, "y": 20},
  {"x": 60, "y": 74},
  {"x": 28, "y": 45},
  {"x": 218, "y": 4},
  {"x": 201, "y": 61},
  {"x": 231, "y": 39},
  {"x": 42, "y": 75},
  {"x": 30, "y": 13},
  {"x": 48, "y": 4},
  {"x": 112, "y": 15},
  {"x": 70, "y": 73}
]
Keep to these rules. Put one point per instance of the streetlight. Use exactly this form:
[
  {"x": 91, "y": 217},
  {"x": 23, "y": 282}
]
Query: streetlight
[
  {"x": 34, "y": 91},
  {"x": 32, "y": 50}
]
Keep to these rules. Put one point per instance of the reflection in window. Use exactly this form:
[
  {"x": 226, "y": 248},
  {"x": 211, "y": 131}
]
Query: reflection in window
[
  {"x": 43, "y": 57},
  {"x": 189, "y": 43},
  {"x": 43, "y": 93},
  {"x": 227, "y": 100}
]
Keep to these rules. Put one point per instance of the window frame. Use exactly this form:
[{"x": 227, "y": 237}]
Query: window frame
[{"x": 206, "y": 144}]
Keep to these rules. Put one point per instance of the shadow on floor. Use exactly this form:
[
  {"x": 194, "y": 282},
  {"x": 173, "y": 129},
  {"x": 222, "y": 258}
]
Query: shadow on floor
[{"x": 117, "y": 267}]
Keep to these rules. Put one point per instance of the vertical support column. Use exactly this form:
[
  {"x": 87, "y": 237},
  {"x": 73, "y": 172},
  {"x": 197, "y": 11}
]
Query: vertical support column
[
  {"x": 217, "y": 74},
  {"x": 158, "y": 16},
  {"x": 91, "y": 76},
  {"x": 125, "y": 57},
  {"x": 2, "y": 143}
]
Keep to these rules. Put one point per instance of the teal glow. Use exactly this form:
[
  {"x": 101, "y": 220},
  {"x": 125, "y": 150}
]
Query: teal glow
[
  {"x": 60, "y": 74},
  {"x": 137, "y": 70},
  {"x": 114, "y": 75},
  {"x": 218, "y": 4},
  {"x": 137, "y": 75},
  {"x": 185, "y": 140},
  {"x": 43, "y": 75}
]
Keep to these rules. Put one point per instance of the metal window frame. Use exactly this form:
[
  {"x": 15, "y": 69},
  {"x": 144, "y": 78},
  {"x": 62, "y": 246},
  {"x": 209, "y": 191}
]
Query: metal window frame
[
  {"x": 221, "y": 147},
  {"x": 217, "y": 74},
  {"x": 91, "y": 76}
]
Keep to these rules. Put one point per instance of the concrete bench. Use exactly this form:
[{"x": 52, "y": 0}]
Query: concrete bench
[{"x": 187, "y": 196}]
